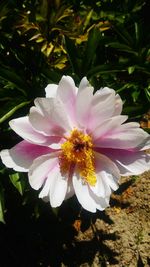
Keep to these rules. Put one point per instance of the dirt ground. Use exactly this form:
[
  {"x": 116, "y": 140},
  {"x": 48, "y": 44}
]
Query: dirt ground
[{"x": 118, "y": 237}]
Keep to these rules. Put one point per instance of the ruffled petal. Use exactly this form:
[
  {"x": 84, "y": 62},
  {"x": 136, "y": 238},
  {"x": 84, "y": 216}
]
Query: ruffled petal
[
  {"x": 128, "y": 162},
  {"x": 107, "y": 174},
  {"x": 54, "y": 188},
  {"x": 101, "y": 188},
  {"x": 55, "y": 119},
  {"x": 126, "y": 136},
  {"x": 107, "y": 128},
  {"x": 51, "y": 90},
  {"x": 21, "y": 156},
  {"x": 82, "y": 193},
  {"x": 102, "y": 107},
  {"x": 101, "y": 203},
  {"x": 41, "y": 168},
  {"x": 23, "y": 128}
]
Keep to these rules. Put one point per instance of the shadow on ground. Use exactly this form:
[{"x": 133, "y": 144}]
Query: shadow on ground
[{"x": 50, "y": 240}]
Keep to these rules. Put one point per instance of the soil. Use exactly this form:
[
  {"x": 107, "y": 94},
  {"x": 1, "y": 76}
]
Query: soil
[{"x": 118, "y": 237}]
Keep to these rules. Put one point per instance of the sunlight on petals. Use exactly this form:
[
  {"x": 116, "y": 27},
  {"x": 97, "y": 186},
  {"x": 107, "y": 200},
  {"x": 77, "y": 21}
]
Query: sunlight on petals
[{"x": 76, "y": 142}]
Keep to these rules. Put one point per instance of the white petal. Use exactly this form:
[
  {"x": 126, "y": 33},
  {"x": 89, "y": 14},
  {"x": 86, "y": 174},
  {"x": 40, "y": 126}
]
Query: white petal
[
  {"x": 21, "y": 156},
  {"x": 40, "y": 122},
  {"x": 67, "y": 92},
  {"x": 103, "y": 106},
  {"x": 23, "y": 127},
  {"x": 83, "y": 196},
  {"x": 134, "y": 164},
  {"x": 83, "y": 102},
  {"x": 70, "y": 190},
  {"x": 107, "y": 174},
  {"x": 125, "y": 136},
  {"x": 66, "y": 89},
  {"x": 104, "y": 92},
  {"x": 9, "y": 162},
  {"x": 110, "y": 181},
  {"x": 84, "y": 83},
  {"x": 118, "y": 105},
  {"x": 103, "y": 163},
  {"x": 54, "y": 113},
  {"x": 107, "y": 127},
  {"x": 101, "y": 188},
  {"x": 101, "y": 203},
  {"x": 51, "y": 90},
  {"x": 45, "y": 190},
  {"x": 58, "y": 188},
  {"x": 129, "y": 162},
  {"x": 41, "y": 168}
]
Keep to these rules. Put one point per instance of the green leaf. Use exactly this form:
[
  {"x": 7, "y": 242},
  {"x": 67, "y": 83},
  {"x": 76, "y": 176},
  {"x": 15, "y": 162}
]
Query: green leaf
[
  {"x": 72, "y": 55},
  {"x": 13, "y": 110},
  {"x": 17, "y": 182},
  {"x": 1, "y": 204},
  {"x": 105, "y": 68},
  {"x": 11, "y": 76},
  {"x": 92, "y": 44},
  {"x": 124, "y": 34},
  {"x": 131, "y": 69},
  {"x": 52, "y": 75},
  {"x": 147, "y": 92},
  {"x": 122, "y": 47}
]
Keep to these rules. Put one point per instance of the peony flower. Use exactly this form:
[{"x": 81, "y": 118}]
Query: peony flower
[{"x": 76, "y": 142}]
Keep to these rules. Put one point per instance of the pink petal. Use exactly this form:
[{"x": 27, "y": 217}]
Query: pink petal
[
  {"x": 128, "y": 162},
  {"x": 103, "y": 106},
  {"x": 23, "y": 127},
  {"x": 21, "y": 156},
  {"x": 51, "y": 90},
  {"x": 126, "y": 136},
  {"x": 41, "y": 168},
  {"x": 107, "y": 128},
  {"x": 55, "y": 119},
  {"x": 67, "y": 92},
  {"x": 82, "y": 192},
  {"x": 83, "y": 102},
  {"x": 66, "y": 88},
  {"x": 145, "y": 145}
]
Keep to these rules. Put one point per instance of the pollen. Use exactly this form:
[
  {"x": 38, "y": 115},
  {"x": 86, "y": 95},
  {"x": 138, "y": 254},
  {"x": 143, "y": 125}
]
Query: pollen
[{"x": 77, "y": 152}]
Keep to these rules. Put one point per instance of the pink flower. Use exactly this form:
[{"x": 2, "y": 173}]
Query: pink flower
[{"x": 76, "y": 142}]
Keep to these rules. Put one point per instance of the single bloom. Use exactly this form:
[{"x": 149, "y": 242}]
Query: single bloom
[{"x": 77, "y": 142}]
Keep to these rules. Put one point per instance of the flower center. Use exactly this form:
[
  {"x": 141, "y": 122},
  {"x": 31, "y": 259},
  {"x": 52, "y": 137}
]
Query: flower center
[{"x": 78, "y": 151}]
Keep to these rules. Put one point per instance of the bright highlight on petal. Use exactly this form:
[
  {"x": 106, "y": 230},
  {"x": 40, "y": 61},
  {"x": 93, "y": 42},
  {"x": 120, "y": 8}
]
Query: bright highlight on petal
[
  {"x": 77, "y": 142},
  {"x": 77, "y": 152}
]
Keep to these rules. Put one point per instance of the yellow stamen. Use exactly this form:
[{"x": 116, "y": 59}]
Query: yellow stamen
[{"x": 78, "y": 151}]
